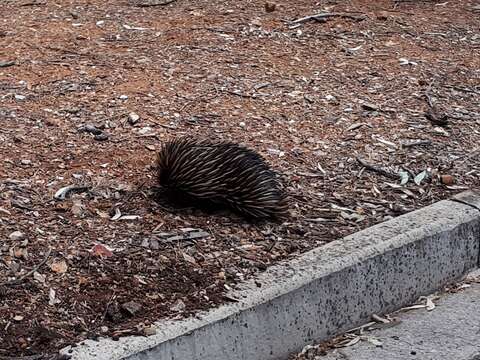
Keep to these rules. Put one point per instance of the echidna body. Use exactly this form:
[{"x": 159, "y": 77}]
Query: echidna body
[{"x": 221, "y": 173}]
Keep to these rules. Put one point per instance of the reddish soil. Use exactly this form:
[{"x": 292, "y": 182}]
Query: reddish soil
[{"x": 311, "y": 98}]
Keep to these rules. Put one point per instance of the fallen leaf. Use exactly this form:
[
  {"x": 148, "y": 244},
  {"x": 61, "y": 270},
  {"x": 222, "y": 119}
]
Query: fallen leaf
[
  {"x": 52, "y": 300},
  {"x": 404, "y": 177},
  {"x": 189, "y": 258},
  {"x": 62, "y": 193},
  {"x": 39, "y": 277},
  {"x": 59, "y": 267},
  {"x": 373, "y": 340},
  {"x": 355, "y": 126},
  {"x": 101, "y": 250},
  {"x": 21, "y": 252},
  {"x": 404, "y": 61},
  {"x": 129, "y": 217},
  {"x": 77, "y": 208},
  {"x": 420, "y": 177},
  {"x": 118, "y": 214},
  {"x": 16, "y": 236},
  {"x": 356, "y": 217}
]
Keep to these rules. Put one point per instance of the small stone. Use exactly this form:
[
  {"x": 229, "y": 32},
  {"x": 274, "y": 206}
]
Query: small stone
[
  {"x": 101, "y": 137},
  {"x": 16, "y": 236},
  {"x": 103, "y": 329},
  {"x": 383, "y": 15},
  {"x": 256, "y": 22},
  {"x": 133, "y": 118},
  {"x": 123, "y": 97},
  {"x": 370, "y": 106},
  {"x": 26, "y": 162},
  {"x": 277, "y": 152},
  {"x": 20, "y": 97},
  {"x": 14, "y": 266},
  {"x": 149, "y": 331},
  {"x": 178, "y": 306},
  {"x": 72, "y": 110},
  {"x": 447, "y": 179},
  {"x": 270, "y": 7},
  {"x": 22, "y": 342},
  {"x": 18, "y": 318},
  {"x": 91, "y": 129},
  {"x": 437, "y": 117},
  {"x": 51, "y": 122},
  {"x": 242, "y": 124},
  {"x": 154, "y": 245},
  {"x": 131, "y": 308},
  {"x": 100, "y": 23},
  {"x": 145, "y": 130}
]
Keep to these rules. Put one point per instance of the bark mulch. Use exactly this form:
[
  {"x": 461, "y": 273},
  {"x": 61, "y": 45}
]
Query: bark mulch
[{"x": 369, "y": 110}]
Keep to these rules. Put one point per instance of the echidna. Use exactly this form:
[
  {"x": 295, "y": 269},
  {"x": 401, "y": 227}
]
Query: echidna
[{"x": 220, "y": 173}]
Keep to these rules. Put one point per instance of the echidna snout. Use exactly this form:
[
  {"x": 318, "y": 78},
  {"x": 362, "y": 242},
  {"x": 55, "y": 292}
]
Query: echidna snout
[{"x": 221, "y": 173}]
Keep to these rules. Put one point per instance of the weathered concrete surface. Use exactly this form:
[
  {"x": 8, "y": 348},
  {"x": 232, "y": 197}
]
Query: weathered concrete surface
[
  {"x": 322, "y": 293},
  {"x": 450, "y": 332}
]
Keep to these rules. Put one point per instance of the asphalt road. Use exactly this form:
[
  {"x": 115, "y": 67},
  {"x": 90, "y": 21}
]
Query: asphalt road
[{"x": 451, "y": 331}]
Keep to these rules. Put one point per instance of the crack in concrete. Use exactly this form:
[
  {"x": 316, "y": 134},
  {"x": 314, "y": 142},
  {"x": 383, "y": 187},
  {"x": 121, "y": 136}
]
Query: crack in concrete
[{"x": 465, "y": 203}]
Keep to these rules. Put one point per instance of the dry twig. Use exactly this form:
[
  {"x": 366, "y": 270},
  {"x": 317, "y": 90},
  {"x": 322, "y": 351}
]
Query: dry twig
[
  {"x": 416, "y": 143},
  {"x": 322, "y": 17},
  {"x": 23, "y": 277},
  {"x": 33, "y": 3},
  {"x": 377, "y": 169},
  {"x": 153, "y": 3}
]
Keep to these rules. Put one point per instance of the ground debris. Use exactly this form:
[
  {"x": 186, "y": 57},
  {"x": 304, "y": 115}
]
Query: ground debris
[{"x": 311, "y": 99}]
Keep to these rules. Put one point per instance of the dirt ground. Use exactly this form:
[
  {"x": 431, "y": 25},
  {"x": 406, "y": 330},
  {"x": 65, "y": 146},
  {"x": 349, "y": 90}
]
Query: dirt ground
[{"x": 367, "y": 114}]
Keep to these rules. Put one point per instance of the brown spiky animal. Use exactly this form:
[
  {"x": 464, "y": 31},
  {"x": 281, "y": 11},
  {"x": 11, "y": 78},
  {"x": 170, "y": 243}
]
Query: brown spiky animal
[{"x": 220, "y": 173}]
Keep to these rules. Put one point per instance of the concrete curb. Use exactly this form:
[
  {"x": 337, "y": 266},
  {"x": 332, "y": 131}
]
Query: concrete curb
[{"x": 324, "y": 292}]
